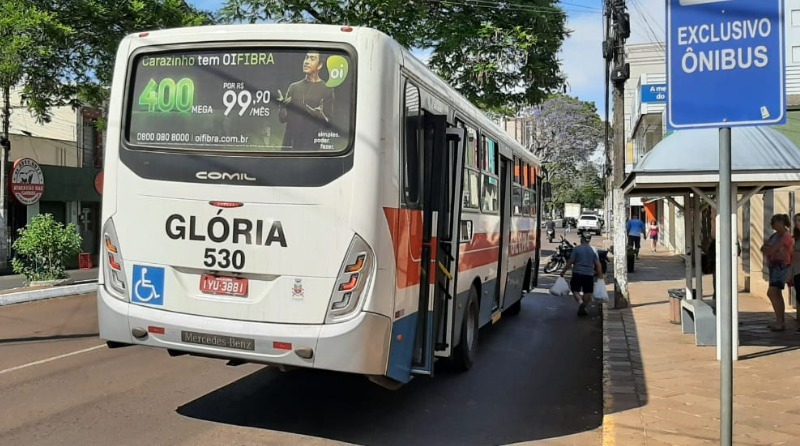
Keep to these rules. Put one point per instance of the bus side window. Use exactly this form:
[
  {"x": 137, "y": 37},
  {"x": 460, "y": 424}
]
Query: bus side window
[
  {"x": 491, "y": 198},
  {"x": 412, "y": 160},
  {"x": 471, "y": 177},
  {"x": 516, "y": 200}
]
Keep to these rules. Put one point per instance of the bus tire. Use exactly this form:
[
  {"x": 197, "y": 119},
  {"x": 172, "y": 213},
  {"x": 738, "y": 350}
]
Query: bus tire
[{"x": 464, "y": 357}]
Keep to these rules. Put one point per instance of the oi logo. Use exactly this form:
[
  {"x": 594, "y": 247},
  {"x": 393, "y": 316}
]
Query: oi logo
[{"x": 337, "y": 68}]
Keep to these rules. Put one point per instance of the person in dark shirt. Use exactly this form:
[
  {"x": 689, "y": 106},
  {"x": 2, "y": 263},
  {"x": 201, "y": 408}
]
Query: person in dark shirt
[
  {"x": 586, "y": 267},
  {"x": 306, "y": 108}
]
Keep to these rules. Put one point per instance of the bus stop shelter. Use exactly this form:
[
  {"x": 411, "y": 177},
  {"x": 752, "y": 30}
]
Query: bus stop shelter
[{"x": 686, "y": 164}]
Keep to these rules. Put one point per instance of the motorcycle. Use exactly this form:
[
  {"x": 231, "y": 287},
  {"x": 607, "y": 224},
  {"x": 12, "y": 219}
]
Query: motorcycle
[
  {"x": 551, "y": 235},
  {"x": 559, "y": 259}
]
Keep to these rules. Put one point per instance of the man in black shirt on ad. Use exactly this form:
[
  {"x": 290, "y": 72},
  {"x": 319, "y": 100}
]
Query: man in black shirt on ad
[{"x": 307, "y": 107}]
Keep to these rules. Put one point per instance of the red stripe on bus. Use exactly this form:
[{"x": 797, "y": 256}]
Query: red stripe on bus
[{"x": 405, "y": 227}]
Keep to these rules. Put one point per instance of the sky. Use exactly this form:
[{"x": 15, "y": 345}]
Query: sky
[{"x": 581, "y": 54}]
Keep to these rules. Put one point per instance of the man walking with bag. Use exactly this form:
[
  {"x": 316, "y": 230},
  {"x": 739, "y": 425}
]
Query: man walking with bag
[{"x": 585, "y": 268}]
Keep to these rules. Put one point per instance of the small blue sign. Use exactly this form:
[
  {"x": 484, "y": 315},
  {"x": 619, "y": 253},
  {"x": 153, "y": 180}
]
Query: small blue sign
[
  {"x": 654, "y": 93},
  {"x": 725, "y": 63},
  {"x": 148, "y": 285}
]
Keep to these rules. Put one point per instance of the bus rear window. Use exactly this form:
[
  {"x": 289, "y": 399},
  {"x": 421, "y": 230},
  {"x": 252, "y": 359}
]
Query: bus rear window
[{"x": 242, "y": 100}]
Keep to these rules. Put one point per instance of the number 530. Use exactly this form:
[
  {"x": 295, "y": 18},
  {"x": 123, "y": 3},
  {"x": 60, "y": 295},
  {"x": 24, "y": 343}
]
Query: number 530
[{"x": 223, "y": 258}]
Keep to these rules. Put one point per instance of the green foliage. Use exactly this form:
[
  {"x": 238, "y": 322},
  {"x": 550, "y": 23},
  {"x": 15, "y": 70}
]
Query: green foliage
[
  {"x": 62, "y": 52},
  {"x": 564, "y": 132},
  {"x": 500, "y": 56},
  {"x": 582, "y": 185},
  {"x": 44, "y": 247}
]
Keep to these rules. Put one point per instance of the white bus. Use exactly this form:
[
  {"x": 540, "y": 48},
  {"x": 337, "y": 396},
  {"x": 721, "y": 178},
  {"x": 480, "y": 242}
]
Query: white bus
[{"x": 307, "y": 196}]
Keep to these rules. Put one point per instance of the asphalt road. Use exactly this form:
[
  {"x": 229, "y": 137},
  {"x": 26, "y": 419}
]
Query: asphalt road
[{"x": 538, "y": 376}]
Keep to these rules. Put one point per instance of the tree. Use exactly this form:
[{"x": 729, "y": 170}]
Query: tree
[
  {"x": 62, "y": 52},
  {"x": 564, "y": 132},
  {"x": 32, "y": 40},
  {"x": 500, "y": 56},
  {"x": 578, "y": 184},
  {"x": 43, "y": 248}
]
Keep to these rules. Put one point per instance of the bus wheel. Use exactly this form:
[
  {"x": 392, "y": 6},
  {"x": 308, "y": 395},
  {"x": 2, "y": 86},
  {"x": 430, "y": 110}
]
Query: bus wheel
[{"x": 465, "y": 353}]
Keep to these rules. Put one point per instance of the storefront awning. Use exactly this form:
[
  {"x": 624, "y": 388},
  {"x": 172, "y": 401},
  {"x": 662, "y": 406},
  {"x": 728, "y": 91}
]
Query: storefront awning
[{"x": 686, "y": 159}]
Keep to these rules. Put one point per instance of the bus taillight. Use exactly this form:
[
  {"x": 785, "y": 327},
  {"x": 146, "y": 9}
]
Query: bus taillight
[
  {"x": 110, "y": 246},
  {"x": 349, "y": 285},
  {"x": 114, "y": 271},
  {"x": 356, "y": 267},
  {"x": 353, "y": 282}
]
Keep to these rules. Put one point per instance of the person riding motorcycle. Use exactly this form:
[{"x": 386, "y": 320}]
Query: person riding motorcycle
[{"x": 550, "y": 226}]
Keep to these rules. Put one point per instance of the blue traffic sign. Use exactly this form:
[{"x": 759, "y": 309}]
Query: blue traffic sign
[
  {"x": 725, "y": 63},
  {"x": 654, "y": 93}
]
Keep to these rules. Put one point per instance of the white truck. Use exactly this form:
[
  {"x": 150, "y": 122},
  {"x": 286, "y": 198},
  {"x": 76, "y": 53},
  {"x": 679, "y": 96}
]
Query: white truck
[{"x": 572, "y": 211}]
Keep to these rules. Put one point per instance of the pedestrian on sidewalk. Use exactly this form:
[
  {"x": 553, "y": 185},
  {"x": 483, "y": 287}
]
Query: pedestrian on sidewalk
[
  {"x": 796, "y": 259},
  {"x": 778, "y": 251},
  {"x": 653, "y": 234},
  {"x": 635, "y": 229},
  {"x": 585, "y": 269}
]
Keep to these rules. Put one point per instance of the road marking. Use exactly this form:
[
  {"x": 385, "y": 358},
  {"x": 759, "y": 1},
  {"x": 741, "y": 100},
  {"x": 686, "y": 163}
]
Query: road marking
[
  {"x": 54, "y": 358},
  {"x": 609, "y": 434}
]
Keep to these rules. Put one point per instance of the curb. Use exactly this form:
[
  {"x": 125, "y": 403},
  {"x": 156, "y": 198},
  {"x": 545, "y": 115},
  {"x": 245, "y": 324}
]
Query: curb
[
  {"x": 48, "y": 293},
  {"x": 609, "y": 436}
]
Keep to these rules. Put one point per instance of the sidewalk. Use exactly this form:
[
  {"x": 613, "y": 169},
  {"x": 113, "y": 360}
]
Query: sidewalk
[
  {"x": 661, "y": 389},
  {"x": 12, "y": 290}
]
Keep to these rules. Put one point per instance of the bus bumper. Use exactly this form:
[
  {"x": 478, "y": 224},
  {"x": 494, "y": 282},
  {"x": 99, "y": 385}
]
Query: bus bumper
[{"x": 359, "y": 345}]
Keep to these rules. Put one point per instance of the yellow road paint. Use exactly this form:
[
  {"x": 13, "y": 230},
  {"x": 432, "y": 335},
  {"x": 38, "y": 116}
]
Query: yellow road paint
[{"x": 609, "y": 433}]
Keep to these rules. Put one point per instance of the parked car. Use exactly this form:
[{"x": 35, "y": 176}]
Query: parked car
[{"x": 591, "y": 223}]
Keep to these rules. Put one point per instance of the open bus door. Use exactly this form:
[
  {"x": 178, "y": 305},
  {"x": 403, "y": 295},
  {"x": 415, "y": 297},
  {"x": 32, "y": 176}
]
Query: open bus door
[{"x": 442, "y": 190}]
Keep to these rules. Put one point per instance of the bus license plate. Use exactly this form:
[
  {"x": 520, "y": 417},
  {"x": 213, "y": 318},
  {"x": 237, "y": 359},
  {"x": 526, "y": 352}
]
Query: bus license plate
[{"x": 222, "y": 285}]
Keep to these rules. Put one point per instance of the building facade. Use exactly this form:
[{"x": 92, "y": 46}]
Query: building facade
[
  {"x": 645, "y": 126},
  {"x": 68, "y": 149}
]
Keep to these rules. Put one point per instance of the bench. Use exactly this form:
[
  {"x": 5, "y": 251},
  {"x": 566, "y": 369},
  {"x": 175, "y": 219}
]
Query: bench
[{"x": 699, "y": 317}]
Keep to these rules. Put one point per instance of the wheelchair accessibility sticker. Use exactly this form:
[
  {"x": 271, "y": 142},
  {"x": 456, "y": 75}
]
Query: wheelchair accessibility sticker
[{"x": 148, "y": 285}]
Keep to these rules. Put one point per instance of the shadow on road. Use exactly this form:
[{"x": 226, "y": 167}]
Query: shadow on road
[
  {"x": 538, "y": 375},
  {"x": 49, "y": 338}
]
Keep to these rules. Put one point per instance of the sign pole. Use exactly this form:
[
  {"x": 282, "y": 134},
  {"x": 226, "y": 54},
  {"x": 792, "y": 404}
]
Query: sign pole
[{"x": 725, "y": 302}]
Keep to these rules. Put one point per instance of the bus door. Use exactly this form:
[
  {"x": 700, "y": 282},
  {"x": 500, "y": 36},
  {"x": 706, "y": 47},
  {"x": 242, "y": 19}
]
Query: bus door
[
  {"x": 442, "y": 184},
  {"x": 505, "y": 229}
]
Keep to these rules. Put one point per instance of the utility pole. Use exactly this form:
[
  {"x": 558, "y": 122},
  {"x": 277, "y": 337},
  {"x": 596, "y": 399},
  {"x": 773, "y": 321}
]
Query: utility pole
[
  {"x": 5, "y": 143},
  {"x": 618, "y": 29}
]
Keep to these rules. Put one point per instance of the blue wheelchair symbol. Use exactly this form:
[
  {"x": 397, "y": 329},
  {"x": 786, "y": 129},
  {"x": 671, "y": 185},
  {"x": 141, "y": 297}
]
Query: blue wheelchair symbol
[{"x": 148, "y": 285}]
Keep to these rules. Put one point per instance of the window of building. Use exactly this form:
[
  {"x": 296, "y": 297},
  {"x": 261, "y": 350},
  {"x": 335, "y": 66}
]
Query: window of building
[
  {"x": 796, "y": 54},
  {"x": 92, "y": 145},
  {"x": 796, "y": 18}
]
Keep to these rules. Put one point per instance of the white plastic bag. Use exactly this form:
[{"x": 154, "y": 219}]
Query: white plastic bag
[
  {"x": 600, "y": 292},
  {"x": 560, "y": 288}
]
